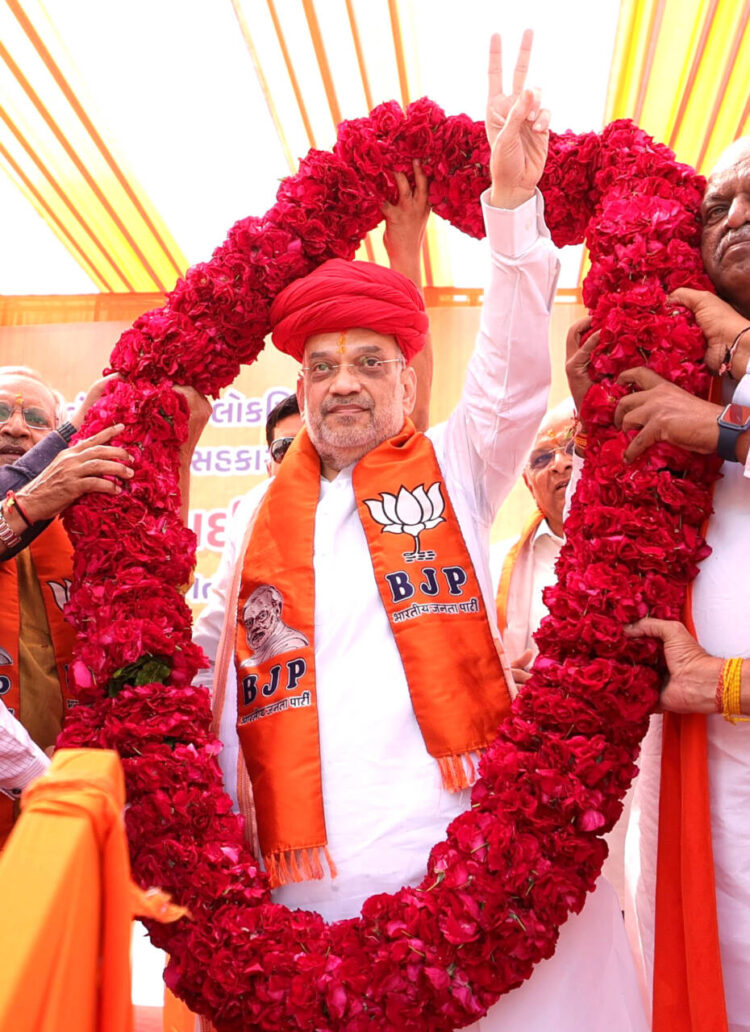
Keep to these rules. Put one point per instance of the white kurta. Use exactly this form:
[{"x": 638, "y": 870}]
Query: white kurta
[
  {"x": 721, "y": 604},
  {"x": 534, "y": 571},
  {"x": 21, "y": 760},
  {"x": 385, "y": 805}
]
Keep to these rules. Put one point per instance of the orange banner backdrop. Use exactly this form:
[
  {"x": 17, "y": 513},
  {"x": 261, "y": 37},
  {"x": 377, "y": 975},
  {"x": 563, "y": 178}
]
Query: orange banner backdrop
[{"x": 231, "y": 456}]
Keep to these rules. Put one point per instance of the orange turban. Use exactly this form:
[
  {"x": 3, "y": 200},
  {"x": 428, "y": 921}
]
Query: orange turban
[{"x": 341, "y": 295}]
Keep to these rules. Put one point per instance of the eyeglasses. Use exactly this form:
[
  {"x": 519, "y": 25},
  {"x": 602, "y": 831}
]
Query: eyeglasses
[
  {"x": 366, "y": 367},
  {"x": 34, "y": 418},
  {"x": 541, "y": 459},
  {"x": 279, "y": 448}
]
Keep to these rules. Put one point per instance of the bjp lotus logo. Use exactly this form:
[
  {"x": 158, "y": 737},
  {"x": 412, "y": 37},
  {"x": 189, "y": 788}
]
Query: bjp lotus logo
[{"x": 409, "y": 512}]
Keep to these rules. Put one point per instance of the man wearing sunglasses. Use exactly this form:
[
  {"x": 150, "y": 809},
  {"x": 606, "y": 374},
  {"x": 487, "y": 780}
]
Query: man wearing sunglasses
[{"x": 282, "y": 426}]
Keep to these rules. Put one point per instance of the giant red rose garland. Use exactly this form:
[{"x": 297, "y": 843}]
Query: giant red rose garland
[{"x": 513, "y": 867}]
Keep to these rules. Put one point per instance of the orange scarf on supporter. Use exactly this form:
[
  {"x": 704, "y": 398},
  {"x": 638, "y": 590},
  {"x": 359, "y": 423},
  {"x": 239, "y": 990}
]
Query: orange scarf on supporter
[
  {"x": 52, "y": 558},
  {"x": 430, "y": 592},
  {"x": 509, "y": 568}
]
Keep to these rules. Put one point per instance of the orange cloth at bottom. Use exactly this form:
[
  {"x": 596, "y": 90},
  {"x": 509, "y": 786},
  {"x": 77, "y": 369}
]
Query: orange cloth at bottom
[{"x": 67, "y": 902}]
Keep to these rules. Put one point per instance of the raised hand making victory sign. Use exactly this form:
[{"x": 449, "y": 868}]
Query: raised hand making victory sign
[{"x": 517, "y": 129}]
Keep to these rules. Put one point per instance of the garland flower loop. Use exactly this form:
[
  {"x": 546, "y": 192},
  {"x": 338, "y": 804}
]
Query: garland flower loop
[{"x": 513, "y": 867}]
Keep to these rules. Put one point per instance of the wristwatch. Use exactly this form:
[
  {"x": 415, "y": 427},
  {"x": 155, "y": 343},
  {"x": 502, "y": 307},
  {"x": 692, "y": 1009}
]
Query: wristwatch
[{"x": 732, "y": 422}]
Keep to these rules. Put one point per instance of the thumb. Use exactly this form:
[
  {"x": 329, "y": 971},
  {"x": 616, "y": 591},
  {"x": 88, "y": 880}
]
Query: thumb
[
  {"x": 651, "y": 628},
  {"x": 520, "y": 110},
  {"x": 688, "y": 297},
  {"x": 523, "y": 660}
]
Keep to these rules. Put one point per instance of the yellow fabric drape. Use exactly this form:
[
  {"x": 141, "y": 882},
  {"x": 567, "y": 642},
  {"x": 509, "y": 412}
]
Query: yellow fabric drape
[
  {"x": 679, "y": 70},
  {"x": 67, "y": 902}
]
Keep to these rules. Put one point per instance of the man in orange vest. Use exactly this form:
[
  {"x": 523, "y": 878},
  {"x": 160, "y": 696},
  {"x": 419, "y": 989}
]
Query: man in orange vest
[
  {"x": 353, "y": 750},
  {"x": 689, "y": 837}
]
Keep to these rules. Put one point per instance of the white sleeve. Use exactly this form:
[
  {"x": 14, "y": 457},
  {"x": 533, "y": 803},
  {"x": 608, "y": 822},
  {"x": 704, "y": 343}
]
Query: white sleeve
[
  {"x": 21, "y": 760},
  {"x": 741, "y": 396},
  {"x": 488, "y": 436}
]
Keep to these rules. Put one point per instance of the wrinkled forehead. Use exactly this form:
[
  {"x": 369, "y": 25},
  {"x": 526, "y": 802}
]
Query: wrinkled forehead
[
  {"x": 355, "y": 341},
  {"x": 31, "y": 392},
  {"x": 555, "y": 434},
  {"x": 733, "y": 162}
]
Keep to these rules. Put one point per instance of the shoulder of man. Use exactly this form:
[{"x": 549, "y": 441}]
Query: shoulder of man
[
  {"x": 498, "y": 553},
  {"x": 247, "y": 507}
]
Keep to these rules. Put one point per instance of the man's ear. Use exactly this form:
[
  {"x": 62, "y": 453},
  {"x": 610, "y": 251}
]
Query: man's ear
[
  {"x": 300, "y": 392},
  {"x": 528, "y": 482},
  {"x": 409, "y": 381}
]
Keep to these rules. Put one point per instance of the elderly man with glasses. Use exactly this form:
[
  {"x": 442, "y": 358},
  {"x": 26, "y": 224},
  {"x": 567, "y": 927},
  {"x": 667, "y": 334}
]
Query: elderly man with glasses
[
  {"x": 523, "y": 567},
  {"x": 350, "y": 753},
  {"x": 40, "y": 475}
]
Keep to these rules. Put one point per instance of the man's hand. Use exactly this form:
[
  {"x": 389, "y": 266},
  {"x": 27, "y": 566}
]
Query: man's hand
[
  {"x": 518, "y": 668},
  {"x": 517, "y": 129},
  {"x": 405, "y": 224},
  {"x": 577, "y": 358},
  {"x": 79, "y": 470},
  {"x": 665, "y": 412},
  {"x": 199, "y": 413},
  {"x": 693, "y": 673},
  {"x": 720, "y": 324}
]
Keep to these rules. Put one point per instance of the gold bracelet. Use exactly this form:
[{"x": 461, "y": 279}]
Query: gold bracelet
[{"x": 731, "y": 680}]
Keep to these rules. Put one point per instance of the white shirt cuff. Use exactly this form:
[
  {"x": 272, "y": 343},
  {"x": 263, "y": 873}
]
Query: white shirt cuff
[{"x": 514, "y": 231}]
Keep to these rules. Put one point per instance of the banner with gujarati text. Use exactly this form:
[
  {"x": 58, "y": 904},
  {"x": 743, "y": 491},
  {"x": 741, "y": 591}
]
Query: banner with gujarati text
[{"x": 231, "y": 456}]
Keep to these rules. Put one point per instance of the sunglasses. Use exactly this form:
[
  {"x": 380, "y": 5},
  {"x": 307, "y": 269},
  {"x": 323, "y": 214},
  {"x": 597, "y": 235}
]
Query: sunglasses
[
  {"x": 34, "y": 418},
  {"x": 279, "y": 448}
]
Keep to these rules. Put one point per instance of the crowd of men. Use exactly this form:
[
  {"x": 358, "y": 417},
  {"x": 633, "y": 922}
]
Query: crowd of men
[{"x": 356, "y": 584}]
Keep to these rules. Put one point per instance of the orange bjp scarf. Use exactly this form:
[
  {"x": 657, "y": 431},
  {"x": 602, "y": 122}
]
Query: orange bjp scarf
[
  {"x": 52, "y": 556},
  {"x": 431, "y": 594}
]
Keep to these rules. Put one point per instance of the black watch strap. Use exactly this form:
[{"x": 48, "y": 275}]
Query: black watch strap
[
  {"x": 727, "y": 446},
  {"x": 66, "y": 431}
]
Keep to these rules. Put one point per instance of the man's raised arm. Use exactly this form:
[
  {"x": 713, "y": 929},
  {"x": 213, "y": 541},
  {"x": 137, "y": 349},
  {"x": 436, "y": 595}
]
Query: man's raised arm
[{"x": 507, "y": 383}]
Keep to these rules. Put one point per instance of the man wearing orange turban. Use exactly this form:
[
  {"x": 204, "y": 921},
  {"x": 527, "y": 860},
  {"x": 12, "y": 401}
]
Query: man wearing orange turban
[{"x": 351, "y": 749}]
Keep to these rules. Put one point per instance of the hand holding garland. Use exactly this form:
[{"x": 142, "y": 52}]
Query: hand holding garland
[
  {"x": 723, "y": 327},
  {"x": 697, "y": 681},
  {"x": 87, "y": 466},
  {"x": 405, "y": 225}
]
